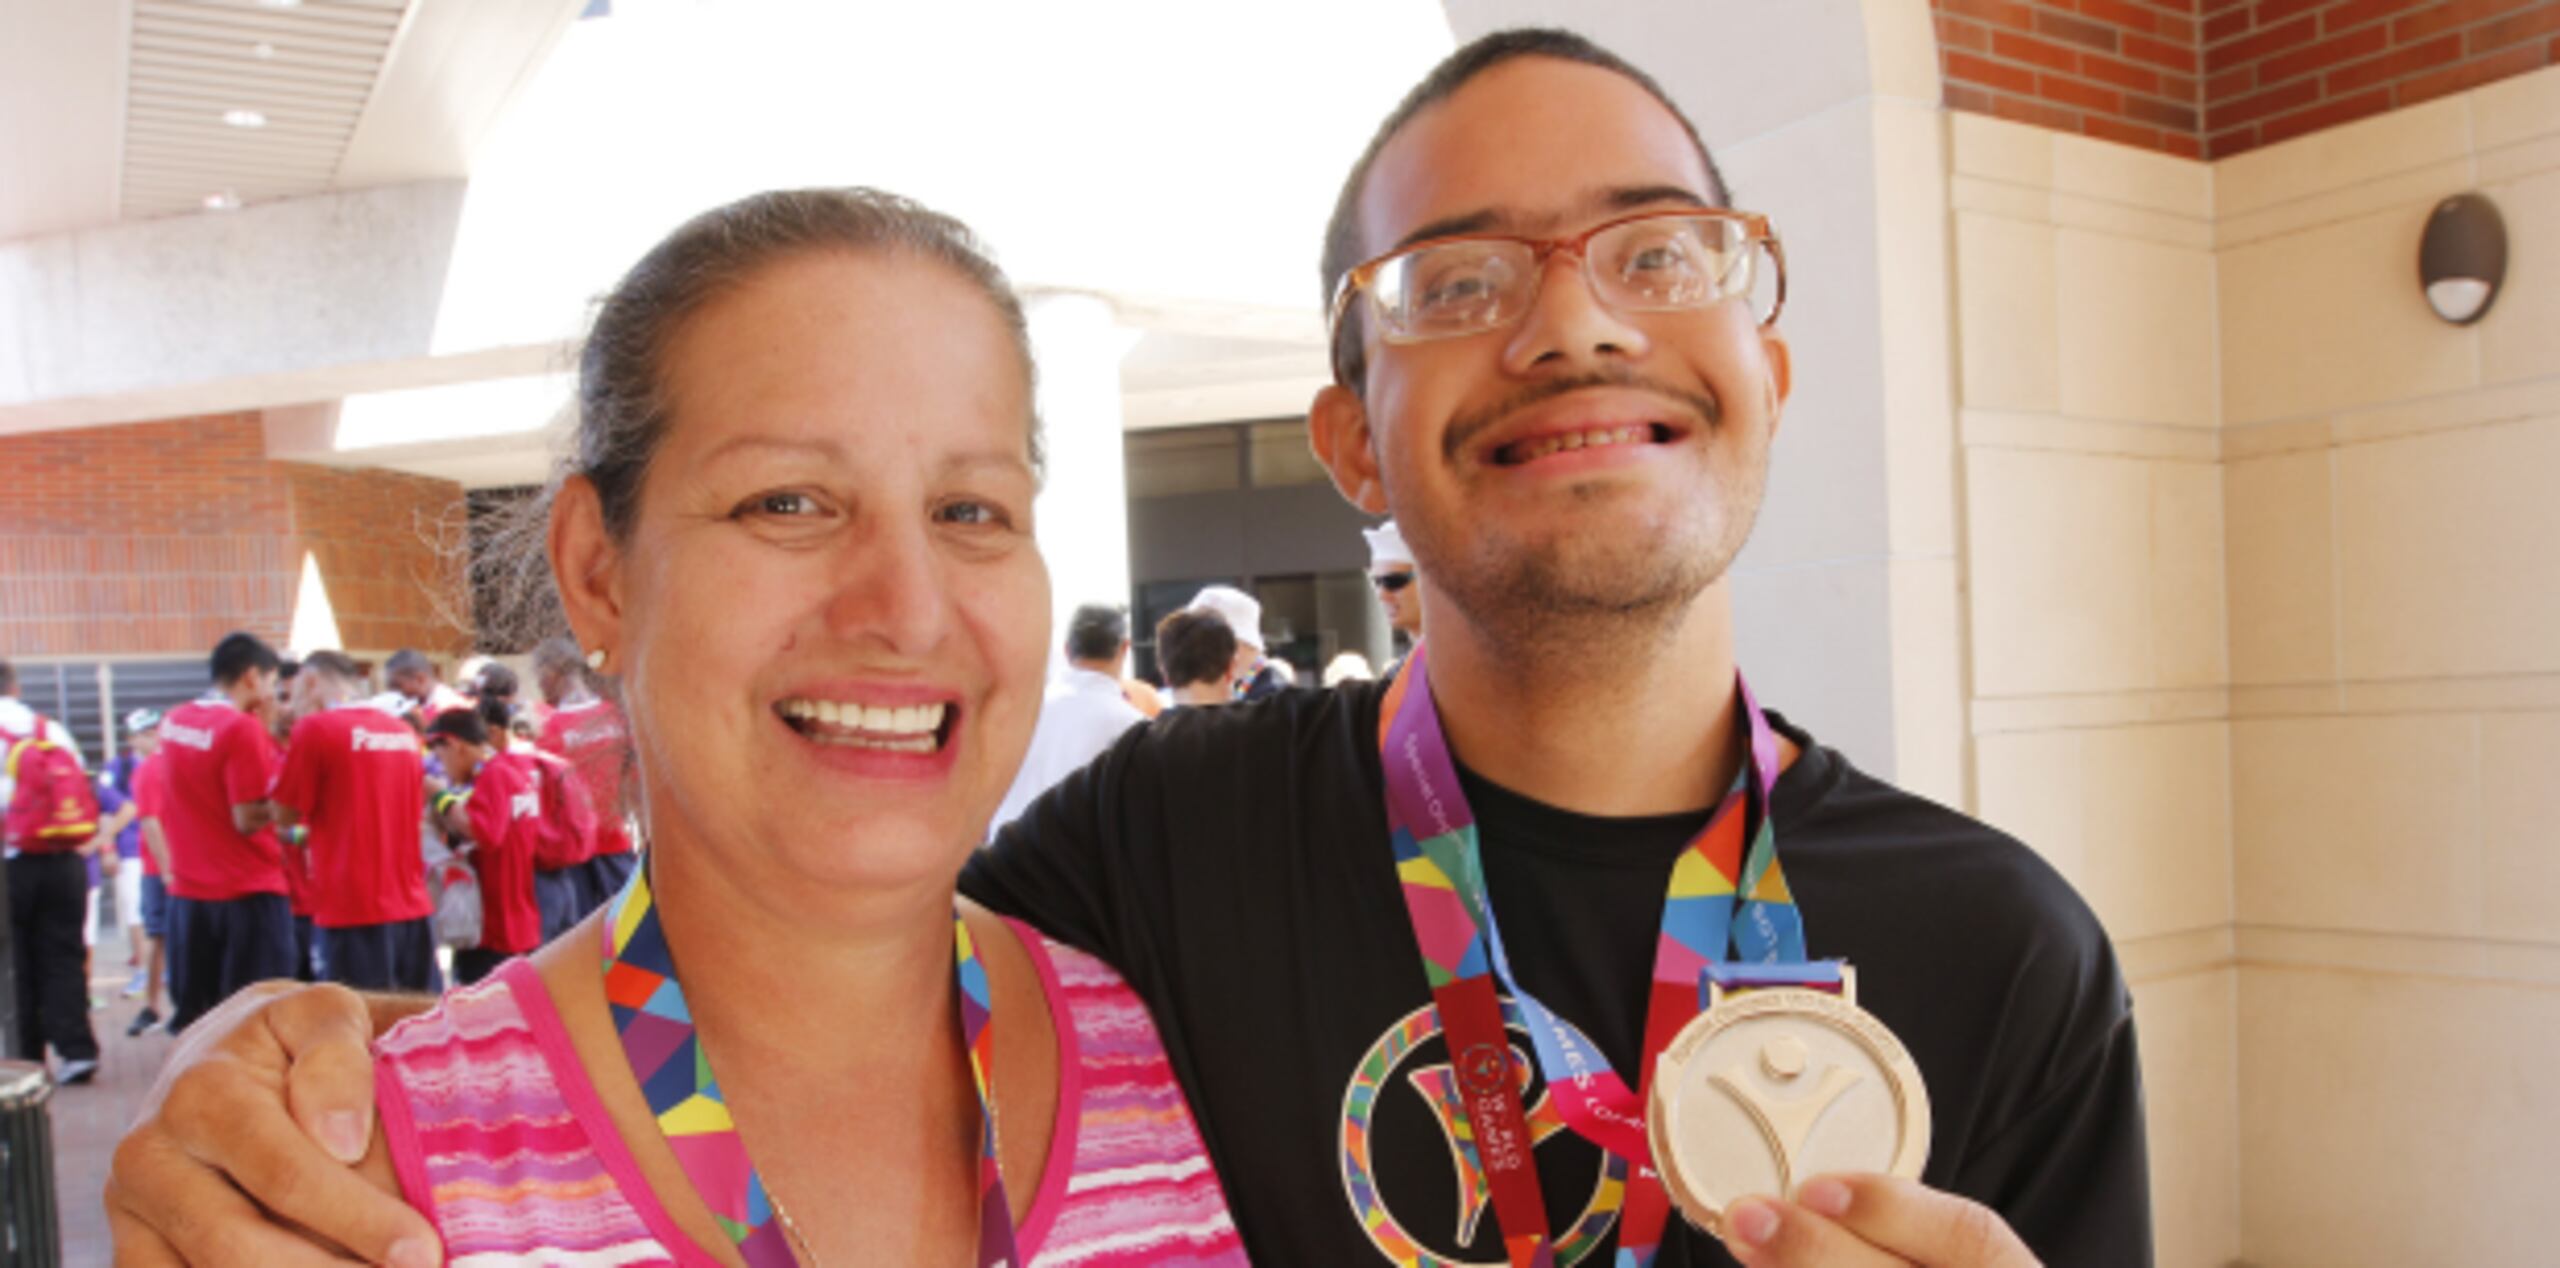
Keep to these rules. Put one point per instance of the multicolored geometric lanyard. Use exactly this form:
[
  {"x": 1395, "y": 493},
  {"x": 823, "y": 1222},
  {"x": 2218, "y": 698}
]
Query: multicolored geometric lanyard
[
  {"x": 1728, "y": 918},
  {"x": 675, "y": 1074}
]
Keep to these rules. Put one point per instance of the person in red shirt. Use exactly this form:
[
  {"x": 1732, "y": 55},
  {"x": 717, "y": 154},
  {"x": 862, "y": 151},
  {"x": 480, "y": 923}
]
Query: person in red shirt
[
  {"x": 229, "y": 921},
  {"x": 587, "y": 731},
  {"x": 291, "y": 692},
  {"x": 151, "y": 800},
  {"x": 353, "y": 776},
  {"x": 501, "y": 815}
]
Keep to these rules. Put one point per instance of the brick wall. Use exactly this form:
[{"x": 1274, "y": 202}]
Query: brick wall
[
  {"x": 2121, "y": 70},
  {"x": 389, "y": 548},
  {"x": 2213, "y": 78},
  {"x": 161, "y": 537},
  {"x": 2276, "y": 69}
]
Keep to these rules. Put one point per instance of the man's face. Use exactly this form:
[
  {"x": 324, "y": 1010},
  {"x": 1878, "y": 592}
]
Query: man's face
[
  {"x": 460, "y": 760},
  {"x": 259, "y": 688},
  {"x": 1399, "y": 590},
  {"x": 554, "y": 684},
  {"x": 1582, "y": 460},
  {"x": 411, "y": 683}
]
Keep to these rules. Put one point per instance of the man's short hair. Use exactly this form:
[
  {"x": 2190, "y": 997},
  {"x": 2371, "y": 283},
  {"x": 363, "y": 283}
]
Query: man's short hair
[
  {"x": 1194, "y": 646},
  {"x": 334, "y": 666},
  {"x": 459, "y": 724},
  {"x": 498, "y": 680},
  {"x": 239, "y": 653},
  {"x": 557, "y": 655},
  {"x": 408, "y": 660},
  {"x": 1343, "y": 247},
  {"x": 1096, "y": 632}
]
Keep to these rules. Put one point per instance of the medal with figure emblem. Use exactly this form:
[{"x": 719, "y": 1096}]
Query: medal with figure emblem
[
  {"x": 1767, "y": 1068},
  {"x": 1770, "y": 1087}
]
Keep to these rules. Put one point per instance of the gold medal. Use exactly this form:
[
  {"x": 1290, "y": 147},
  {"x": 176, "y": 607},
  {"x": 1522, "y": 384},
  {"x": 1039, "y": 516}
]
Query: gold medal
[{"x": 1771, "y": 1087}]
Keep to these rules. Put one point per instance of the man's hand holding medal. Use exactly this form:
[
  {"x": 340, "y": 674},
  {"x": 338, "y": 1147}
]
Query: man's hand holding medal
[{"x": 1870, "y": 1221}]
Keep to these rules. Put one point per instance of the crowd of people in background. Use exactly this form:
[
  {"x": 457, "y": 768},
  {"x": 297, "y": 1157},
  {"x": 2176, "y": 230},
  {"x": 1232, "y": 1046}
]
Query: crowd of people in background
[
  {"x": 301, "y": 821},
  {"x": 1209, "y": 652}
]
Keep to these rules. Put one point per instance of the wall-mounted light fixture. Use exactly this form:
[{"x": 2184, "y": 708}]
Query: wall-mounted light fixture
[{"x": 2462, "y": 258}]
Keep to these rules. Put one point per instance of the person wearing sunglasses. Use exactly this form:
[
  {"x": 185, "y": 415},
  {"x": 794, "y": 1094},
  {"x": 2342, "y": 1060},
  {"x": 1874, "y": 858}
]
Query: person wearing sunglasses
[{"x": 1391, "y": 574}]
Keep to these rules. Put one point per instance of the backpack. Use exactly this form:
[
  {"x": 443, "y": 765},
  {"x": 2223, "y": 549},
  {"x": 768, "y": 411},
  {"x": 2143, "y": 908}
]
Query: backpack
[
  {"x": 455, "y": 890},
  {"x": 53, "y": 808},
  {"x": 568, "y": 816}
]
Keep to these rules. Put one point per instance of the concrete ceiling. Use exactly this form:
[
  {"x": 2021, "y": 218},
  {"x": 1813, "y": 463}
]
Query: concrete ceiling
[{"x": 116, "y": 110}]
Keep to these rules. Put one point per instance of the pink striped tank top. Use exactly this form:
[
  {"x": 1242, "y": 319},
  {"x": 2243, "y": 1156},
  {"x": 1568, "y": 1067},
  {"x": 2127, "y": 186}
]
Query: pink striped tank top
[{"x": 500, "y": 1140}]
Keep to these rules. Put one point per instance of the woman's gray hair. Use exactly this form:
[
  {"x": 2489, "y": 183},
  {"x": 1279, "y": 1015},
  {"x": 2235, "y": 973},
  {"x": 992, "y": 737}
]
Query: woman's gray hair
[{"x": 622, "y": 403}]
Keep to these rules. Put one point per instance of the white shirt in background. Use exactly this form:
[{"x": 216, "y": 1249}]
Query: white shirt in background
[{"x": 1083, "y": 714}]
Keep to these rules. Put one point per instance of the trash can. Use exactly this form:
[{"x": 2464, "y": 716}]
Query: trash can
[{"x": 30, "y": 1227}]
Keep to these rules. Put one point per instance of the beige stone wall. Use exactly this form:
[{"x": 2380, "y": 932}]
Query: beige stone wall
[
  {"x": 2093, "y": 504},
  {"x": 2263, "y": 578},
  {"x": 2392, "y": 496}
]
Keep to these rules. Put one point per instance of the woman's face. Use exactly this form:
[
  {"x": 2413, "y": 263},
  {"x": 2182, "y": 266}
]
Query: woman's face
[{"x": 834, "y": 620}]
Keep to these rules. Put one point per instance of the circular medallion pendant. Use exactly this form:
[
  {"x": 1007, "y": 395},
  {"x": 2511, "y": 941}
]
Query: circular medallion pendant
[{"x": 1768, "y": 1088}]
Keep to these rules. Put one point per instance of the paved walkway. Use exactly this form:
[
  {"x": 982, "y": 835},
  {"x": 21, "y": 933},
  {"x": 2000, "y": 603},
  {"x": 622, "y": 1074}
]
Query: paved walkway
[{"x": 89, "y": 1119}]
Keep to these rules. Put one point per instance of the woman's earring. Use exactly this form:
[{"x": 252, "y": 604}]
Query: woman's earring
[{"x": 595, "y": 660}]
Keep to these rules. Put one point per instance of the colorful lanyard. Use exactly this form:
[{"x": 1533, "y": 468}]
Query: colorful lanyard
[
  {"x": 1727, "y": 919},
  {"x": 675, "y": 1074}
]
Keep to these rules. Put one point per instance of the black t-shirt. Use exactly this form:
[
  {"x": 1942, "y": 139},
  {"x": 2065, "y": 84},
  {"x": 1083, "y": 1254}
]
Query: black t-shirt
[{"x": 1233, "y": 863}]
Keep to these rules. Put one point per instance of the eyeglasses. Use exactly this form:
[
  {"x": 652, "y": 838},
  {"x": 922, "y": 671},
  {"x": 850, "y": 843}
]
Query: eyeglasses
[
  {"x": 1652, "y": 261},
  {"x": 1391, "y": 582}
]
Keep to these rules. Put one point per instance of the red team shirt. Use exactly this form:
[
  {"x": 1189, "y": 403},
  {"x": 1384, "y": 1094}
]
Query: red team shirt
[
  {"x": 591, "y": 737},
  {"x": 355, "y": 776},
  {"x": 506, "y": 824},
  {"x": 216, "y": 757}
]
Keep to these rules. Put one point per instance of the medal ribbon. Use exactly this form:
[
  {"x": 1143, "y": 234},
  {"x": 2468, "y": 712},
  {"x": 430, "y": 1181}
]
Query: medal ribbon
[
  {"x": 674, "y": 1070},
  {"x": 1728, "y": 918}
]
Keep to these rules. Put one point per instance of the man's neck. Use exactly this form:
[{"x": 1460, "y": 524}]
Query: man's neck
[
  {"x": 1204, "y": 693},
  {"x": 1639, "y": 721},
  {"x": 1105, "y": 668}
]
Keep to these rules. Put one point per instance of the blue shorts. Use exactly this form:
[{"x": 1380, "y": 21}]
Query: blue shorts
[
  {"x": 555, "y": 897},
  {"x": 218, "y": 946},
  {"x": 399, "y": 956},
  {"x": 155, "y": 905}
]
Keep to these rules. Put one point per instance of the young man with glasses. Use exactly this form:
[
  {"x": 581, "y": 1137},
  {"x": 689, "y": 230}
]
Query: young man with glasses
[{"x": 1552, "y": 371}]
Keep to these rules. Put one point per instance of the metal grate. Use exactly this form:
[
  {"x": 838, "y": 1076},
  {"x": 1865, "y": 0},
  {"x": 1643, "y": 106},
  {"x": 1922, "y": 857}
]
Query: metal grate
[
  {"x": 308, "y": 69},
  {"x": 93, "y": 699}
]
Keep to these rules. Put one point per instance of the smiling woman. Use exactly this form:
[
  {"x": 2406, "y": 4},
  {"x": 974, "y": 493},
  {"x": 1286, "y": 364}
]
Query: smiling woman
[{"x": 797, "y": 523}]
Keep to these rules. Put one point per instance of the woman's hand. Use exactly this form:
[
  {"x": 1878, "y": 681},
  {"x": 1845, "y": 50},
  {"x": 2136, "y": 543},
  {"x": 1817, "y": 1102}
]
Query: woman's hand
[{"x": 265, "y": 1105}]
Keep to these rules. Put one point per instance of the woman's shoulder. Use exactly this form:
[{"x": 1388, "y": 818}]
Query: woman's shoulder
[
  {"x": 496, "y": 1137},
  {"x": 1130, "y": 1181}
]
